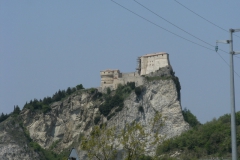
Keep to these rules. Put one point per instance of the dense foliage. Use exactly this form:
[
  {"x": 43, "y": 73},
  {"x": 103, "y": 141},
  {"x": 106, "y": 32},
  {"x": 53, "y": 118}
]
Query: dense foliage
[
  {"x": 44, "y": 105},
  {"x": 15, "y": 112},
  {"x": 115, "y": 99},
  {"x": 190, "y": 118},
  {"x": 210, "y": 139},
  {"x": 3, "y": 117}
]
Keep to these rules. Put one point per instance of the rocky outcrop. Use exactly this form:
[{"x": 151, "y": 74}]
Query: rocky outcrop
[
  {"x": 60, "y": 128},
  {"x": 157, "y": 96},
  {"x": 13, "y": 142},
  {"x": 64, "y": 123}
]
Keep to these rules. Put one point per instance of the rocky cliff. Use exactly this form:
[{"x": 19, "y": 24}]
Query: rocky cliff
[
  {"x": 13, "y": 142},
  {"x": 60, "y": 128}
]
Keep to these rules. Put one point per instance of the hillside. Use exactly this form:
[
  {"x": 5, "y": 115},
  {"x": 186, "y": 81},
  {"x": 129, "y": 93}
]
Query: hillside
[
  {"x": 212, "y": 139},
  {"x": 56, "y": 124}
]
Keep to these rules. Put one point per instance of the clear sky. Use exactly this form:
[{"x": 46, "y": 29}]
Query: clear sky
[{"x": 50, "y": 45}]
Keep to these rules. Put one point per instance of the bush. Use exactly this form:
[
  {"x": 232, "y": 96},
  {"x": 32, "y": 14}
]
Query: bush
[
  {"x": 80, "y": 86},
  {"x": 116, "y": 100},
  {"x": 35, "y": 146},
  {"x": 46, "y": 108},
  {"x": 131, "y": 85},
  {"x": 140, "y": 109},
  {"x": 210, "y": 139},
  {"x": 119, "y": 109},
  {"x": 3, "y": 117},
  {"x": 105, "y": 109},
  {"x": 190, "y": 118},
  {"x": 97, "y": 119},
  {"x": 138, "y": 91},
  {"x": 110, "y": 103},
  {"x": 108, "y": 90}
]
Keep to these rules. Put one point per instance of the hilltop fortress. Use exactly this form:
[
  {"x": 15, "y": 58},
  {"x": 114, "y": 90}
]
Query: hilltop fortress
[{"x": 148, "y": 64}]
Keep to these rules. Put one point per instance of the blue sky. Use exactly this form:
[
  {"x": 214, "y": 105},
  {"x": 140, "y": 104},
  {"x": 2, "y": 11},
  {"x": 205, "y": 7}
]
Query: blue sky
[{"x": 50, "y": 45}]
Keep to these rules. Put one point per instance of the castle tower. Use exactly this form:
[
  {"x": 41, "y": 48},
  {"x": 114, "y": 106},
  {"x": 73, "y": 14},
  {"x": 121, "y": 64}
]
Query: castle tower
[{"x": 152, "y": 62}]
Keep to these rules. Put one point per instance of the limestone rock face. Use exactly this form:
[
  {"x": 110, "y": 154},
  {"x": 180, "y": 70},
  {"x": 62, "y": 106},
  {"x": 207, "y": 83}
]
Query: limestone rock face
[
  {"x": 60, "y": 128},
  {"x": 13, "y": 143},
  {"x": 64, "y": 123},
  {"x": 158, "y": 96}
]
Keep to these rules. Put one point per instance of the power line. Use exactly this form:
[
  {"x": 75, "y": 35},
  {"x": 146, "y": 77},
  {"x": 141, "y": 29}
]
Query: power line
[
  {"x": 173, "y": 33},
  {"x": 204, "y": 18},
  {"x": 177, "y": 26},
  {"x": 161, "y": 27}
]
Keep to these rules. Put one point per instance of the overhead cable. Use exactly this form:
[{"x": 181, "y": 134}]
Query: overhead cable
[
  {"x": 177, "y": 26},
  {"x": 204, "y": 18},
  {"x": 173, "y": 33},
  {"x": 161, "y": 27}
]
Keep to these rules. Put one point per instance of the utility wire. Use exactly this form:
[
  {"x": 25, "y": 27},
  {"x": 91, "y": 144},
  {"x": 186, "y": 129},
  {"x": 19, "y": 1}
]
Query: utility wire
[
  {"x": 172, "y": 32},
  {"x": 182, "y": 30},
  {"x": 161, "y": 27},
  {"x": 204, "y": 18},
  {"x": 176, "y": 26}
]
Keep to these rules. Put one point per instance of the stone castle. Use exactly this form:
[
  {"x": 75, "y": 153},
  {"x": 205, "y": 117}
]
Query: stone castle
[{"x": 146, "y": 64}]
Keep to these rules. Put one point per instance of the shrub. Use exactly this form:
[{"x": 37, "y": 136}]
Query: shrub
[
  {"x": 46, "y": 108},
  {"x": 80, "y": 86},
  {"x": 138, "y": 91},
  {"x": 119, "y": 109},
  {"x": 140, "y": 109},
  {"x": 108, "y": 90},
  {"x": 131, "y": 85},
  {"x": 35, "y": 146},
  {"x": 105, "y": 109},
  {"x": 190, "y": 118},
  {"x": 3, "y": 117},
  {"x": 92, "y": 90},
  {"x": 97, "y": 119}
]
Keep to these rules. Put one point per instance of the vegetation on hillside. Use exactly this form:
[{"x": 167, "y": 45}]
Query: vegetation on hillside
[
  {"x": 212, "y": 139},
  {"x": 44, "y": 105},
  {"x": 190, "y": 118},
  {"x": 15, "y": 112},
  {"x": 45, "y": 154},
  {"x": 101, "y": 143},
  {"x": 114, "y": 99}
]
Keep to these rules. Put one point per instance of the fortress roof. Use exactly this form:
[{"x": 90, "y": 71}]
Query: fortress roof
[
  {"x": 109, "y": 70},
  {"x": 154, "y": 54}
]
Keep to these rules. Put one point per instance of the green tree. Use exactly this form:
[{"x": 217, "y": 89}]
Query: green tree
[
  {"x": 108, "y": 90},
  {"x": 16, "y": 110},
  {"x": 80, "y": 86},
  {"x": 138, "y": 91},
  {"x": 133, "y": 139},
  {"x": 3, "y": 117},
  {"x": 100, "y": 143},
  {"x": 190, "y": 118}
]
